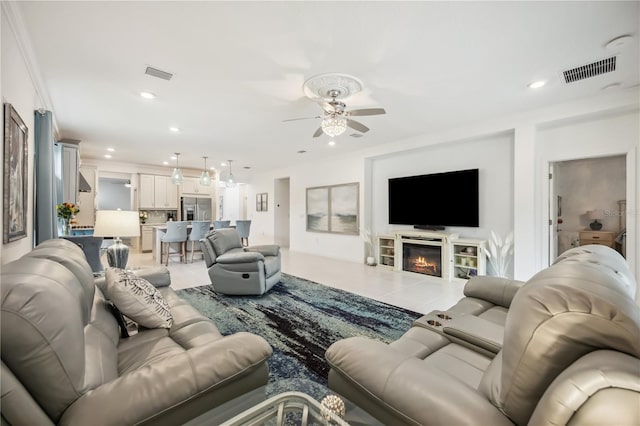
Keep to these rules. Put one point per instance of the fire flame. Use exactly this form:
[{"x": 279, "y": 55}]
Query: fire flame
[{"x": 421, "y": 263}]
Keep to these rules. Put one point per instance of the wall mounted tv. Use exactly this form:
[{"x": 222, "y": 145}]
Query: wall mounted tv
[{"x": 436, "y": 200}]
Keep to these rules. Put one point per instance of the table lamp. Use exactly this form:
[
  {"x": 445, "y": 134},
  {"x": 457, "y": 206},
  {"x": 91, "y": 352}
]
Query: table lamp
[
  {"x": 117, "y": 224},
  {"x": 595, "y": 216}
]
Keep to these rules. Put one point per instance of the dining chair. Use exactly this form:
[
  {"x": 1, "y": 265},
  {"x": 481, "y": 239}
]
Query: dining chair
[
  {"x": 176, "y": 233},
  {"x": 199, "y": 228},
  {"x": 218, "y": 224},
  {"x": 243, "y": 227}
]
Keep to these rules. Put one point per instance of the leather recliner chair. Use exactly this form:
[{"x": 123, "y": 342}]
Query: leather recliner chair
[
  {"x": 570, "y": 355},
  {"x": 238, "y": 270},
  {"x": 64, "y": 361}
]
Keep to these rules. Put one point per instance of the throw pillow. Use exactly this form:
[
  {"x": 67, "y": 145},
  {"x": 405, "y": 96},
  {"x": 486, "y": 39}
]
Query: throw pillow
[{"x": 138, "y": 299}]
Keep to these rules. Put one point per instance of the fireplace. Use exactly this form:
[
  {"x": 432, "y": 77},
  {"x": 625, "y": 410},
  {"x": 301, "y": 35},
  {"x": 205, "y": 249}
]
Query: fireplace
[{"x": 422, "y": 259}]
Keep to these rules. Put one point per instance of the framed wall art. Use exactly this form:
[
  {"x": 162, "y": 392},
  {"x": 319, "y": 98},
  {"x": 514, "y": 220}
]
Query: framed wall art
[
  {"x": 15, "y": 176},
  {"x": 334, "y": 209},
  {"x": 261, "y": 202}
]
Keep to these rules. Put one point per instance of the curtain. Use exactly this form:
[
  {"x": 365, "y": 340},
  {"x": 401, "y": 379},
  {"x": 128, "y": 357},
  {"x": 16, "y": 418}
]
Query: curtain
[{"x": 45, "y": 199}]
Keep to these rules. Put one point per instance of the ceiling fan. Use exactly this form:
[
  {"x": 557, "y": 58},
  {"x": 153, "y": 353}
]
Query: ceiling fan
[{"x": 336, "y": 119}]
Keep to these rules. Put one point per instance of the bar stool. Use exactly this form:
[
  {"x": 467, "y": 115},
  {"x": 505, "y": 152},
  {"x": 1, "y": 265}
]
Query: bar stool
[
  {"x": 199, "y": 229},
  {"x": 217, "y": 224},
  {"x": 243, "y": 226},
  {"x": 176, "y": 233}
]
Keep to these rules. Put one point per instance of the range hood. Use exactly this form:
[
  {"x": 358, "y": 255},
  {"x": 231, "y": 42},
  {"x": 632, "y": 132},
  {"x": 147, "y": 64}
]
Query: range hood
[{"x": 83, "y": 185}]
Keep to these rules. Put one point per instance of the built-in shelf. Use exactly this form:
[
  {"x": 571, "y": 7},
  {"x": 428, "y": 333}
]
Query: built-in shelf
[{"x": 469, "y": 258}]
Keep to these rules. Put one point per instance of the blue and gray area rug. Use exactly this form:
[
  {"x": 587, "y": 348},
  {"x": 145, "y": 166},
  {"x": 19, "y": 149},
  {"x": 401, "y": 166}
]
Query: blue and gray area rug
[{"x": 300, "y": 319}]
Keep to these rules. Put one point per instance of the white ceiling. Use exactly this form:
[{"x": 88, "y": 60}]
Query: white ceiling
[{"x": 239, "y": 69}]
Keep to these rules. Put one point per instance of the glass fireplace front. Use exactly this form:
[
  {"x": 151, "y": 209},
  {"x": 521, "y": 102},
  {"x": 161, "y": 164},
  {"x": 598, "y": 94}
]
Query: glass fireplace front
[{"x": 422, "y": 259}]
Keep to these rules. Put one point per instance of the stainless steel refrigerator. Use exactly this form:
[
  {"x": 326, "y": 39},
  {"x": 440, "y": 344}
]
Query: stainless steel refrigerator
[{"x": 196, "y": 208}]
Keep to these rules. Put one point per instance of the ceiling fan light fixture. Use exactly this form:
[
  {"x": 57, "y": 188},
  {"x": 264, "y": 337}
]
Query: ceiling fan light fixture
[
  {"x": 334, "y": 125},
  {"x": 205, "y": 178},
  {"x": 176, "y": 176}
]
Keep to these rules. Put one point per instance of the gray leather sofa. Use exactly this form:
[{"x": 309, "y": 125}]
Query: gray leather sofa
[
  {"x": 569, "y": 354},
  {"x": 64, "y": 362},
  {"x": 238, "y": 270}
]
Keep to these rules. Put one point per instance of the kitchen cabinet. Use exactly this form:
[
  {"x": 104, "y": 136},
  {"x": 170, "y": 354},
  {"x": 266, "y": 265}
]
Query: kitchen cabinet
[
  {"x": 146, "y": 192},
  {"x": 157, "y": 192},
  {"x": 147, "y": 239},
  {"x": 70, "y": 164},
  {"x": 192, "y": 186}
]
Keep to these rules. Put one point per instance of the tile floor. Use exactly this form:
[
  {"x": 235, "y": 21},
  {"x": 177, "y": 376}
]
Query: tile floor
[{"x": 417, "y": 292}]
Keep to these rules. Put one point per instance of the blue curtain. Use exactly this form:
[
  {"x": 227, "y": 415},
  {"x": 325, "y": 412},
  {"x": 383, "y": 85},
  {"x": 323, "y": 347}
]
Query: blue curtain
[{"x": 45, "y": 198}]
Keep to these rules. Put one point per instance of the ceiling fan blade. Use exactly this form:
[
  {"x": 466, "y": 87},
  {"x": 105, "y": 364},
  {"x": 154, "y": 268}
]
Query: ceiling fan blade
[
  {"x": 318, "y": 132},
  {"x": 303, "y": 118},
  {"x": 367, "y": 111},
  {"x": 357, "y": 126}
]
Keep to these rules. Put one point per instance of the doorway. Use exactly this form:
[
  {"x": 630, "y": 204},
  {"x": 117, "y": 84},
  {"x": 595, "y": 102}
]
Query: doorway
[
  {"x": 115, "y": 193},
  {"x": 281, "y": 207},
  {"x": 582, "y": 191}
]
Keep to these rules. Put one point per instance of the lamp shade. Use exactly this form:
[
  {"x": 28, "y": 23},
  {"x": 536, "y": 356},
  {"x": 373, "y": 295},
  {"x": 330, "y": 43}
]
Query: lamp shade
[
  {"x": 116, "y": 223},
  {"x": 597, "y": 214}
]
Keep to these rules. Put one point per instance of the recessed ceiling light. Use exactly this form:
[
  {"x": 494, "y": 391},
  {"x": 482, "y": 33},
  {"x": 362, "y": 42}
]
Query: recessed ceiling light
[
  {"x": 107, "y": 156},
  {"x": 619, "y": 42},
  {"x": 148, "y": 95},
  {"x": 536, "y": 84},
  {"x": 332, "y": 143},
  {"x": 174, "y": 129},
  {"x": 212, "y": 168},
  {"x": 223, "y": 164},
  {"x": 173, "y": 157},
  {"x": 166, "y": 163},
  {"x": 110, "y": 149}
]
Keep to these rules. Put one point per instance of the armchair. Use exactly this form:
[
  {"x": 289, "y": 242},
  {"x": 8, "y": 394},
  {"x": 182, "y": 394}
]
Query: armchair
[{"x": 236, "y": 270}]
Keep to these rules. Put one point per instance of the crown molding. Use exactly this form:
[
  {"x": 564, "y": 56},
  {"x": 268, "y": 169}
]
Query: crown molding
[{"x": 17, "y": 26}]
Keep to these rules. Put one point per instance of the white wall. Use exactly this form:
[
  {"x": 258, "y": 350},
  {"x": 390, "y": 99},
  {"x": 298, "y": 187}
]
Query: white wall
[
  {"x": 18, "y": 90},
  {"x": 493, "y": 156},
  {"x": 605, "y": 135}
]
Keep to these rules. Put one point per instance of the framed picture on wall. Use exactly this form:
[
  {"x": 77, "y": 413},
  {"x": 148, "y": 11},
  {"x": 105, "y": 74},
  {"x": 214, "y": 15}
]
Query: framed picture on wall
[
  {"x": 261, "y": 202},
  {"x": 334, "y": 209},
  {"x": 15, "y": 176}
]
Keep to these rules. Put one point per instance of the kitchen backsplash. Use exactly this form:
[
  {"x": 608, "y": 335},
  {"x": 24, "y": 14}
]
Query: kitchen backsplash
[{"x": 160, "y": 216}]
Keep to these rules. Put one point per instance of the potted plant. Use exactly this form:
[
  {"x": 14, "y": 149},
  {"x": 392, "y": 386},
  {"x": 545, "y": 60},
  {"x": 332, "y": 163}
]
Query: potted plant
[{"x": 368, "y": 238}]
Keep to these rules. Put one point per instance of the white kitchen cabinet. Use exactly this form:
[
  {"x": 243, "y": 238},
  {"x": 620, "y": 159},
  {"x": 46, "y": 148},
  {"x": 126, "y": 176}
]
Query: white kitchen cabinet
[
  {"x": 192, "y": 186},
  {"x": 146, "y": 192},
  {"x": 147, "y": 238},
  {"x": 70, "y": 164},
  {"x": 166, "y": 193},
  {"x": 157, "y": 192}
]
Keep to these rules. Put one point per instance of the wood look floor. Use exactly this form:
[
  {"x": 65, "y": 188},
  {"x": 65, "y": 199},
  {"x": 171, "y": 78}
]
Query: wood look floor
[{"x": 417, "y": 292}]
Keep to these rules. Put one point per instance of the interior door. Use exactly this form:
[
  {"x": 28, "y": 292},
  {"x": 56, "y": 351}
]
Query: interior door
[{"x": 555, "y": 212}]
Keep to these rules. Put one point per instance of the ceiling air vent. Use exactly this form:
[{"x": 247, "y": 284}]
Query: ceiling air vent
[
  {"x": 590, "y": 70},
  {"x": 158, "y": 73}
]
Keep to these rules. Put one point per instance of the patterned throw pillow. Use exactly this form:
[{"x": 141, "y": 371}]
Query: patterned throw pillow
[{"x": 138, "y": 299}]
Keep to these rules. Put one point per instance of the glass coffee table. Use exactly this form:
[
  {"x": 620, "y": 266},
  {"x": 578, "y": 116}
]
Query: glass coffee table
[{"x": 284, "y": 408}]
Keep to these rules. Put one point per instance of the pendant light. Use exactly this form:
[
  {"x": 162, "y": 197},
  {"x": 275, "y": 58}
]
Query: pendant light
[
  {"x": 231, "y": 180},
  {"x": 176, "y": 176},
  {"x": 205, "y": 178}
]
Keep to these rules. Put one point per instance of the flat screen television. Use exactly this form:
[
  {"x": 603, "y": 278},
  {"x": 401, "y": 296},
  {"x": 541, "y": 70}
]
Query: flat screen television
[{"x": 436, "y": 200}]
